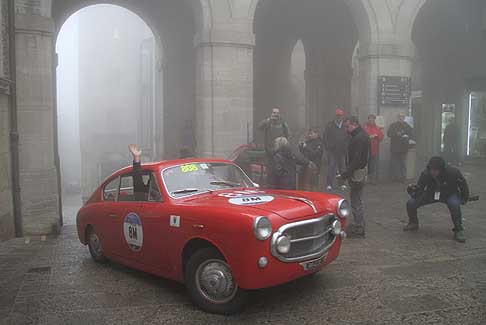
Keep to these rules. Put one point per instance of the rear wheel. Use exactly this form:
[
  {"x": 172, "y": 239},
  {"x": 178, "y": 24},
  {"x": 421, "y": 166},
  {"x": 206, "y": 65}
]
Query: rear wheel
[
  {"x": 211, "y": 285},
  {"x": 94, "y": 245}
]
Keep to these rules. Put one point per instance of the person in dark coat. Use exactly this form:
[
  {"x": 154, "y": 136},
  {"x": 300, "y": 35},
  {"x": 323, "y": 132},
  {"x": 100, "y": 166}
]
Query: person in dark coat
[
  {"x": 439, "y": 183},
  {"x": 451, "y": 141},
  {"x": 273, "y": 128},
  {"x": 357, "y": 162},
  {"x": 285, "y": 160},
  {"x": 140, "y": 189},
  {"x": 400, "y": 133},
  {"x": 312, "y": 149},
  {"x": 336, "y": 142}
]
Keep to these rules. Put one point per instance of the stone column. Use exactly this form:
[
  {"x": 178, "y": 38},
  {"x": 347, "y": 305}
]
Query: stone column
[
  {"x": 315, "y": 89},
  {"x": 382, "y": 59},
  {"x": 7, "y": 130},
  {"x": 36, "y": 121},
  {"x": 224, "y": 89},
  {"x": 338, "y": 74}
]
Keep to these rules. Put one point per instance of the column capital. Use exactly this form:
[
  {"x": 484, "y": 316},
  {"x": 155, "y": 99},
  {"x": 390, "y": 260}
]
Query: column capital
[
  {"x": 226, "y": 35},
  {"x": 389, "y": 50},
  {"x": 34, "y": 23},
  {"x": 5, "y": 86}
]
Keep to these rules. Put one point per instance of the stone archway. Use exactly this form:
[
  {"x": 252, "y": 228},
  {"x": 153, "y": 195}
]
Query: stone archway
[
  {"x": 37, "y": 23},
  {"x": 116, "y": 94},
  {"x": 329, "y": 31},
  {"x": 174, "y": 25},
  {"x": 450, "y": 41}
]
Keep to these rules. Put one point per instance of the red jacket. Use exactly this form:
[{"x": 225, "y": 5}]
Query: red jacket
[{"x": 376, "y": 136}]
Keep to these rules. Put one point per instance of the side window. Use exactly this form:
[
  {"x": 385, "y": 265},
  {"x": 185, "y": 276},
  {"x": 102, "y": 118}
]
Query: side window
[
  {"x": 146, "y": 179},
  {"x": 139, "y": 186},
  {"x": 126, "y": 189},
  {"x": 110, "y": 192},
  {"x": 154, "y": 191}
]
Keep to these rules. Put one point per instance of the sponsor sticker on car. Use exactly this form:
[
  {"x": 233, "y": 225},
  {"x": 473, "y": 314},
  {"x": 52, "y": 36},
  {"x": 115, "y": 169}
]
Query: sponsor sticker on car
[
  {"x": 251, "y": 200},
  {"x": 242, "y": 193},
  {"x": 133, "y": 231}
]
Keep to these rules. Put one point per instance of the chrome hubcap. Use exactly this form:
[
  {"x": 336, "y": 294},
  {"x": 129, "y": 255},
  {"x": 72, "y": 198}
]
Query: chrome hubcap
[
  {"x": 215, "y": 282},
  {"x": 95, "y": 243}
]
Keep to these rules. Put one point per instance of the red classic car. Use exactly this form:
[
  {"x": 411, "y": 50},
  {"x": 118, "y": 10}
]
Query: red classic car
[{"x": 205, "y": 223}]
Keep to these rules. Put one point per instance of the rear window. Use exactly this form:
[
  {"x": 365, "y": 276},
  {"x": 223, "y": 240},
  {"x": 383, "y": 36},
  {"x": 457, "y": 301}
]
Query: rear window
[{"x": 110, "y": 192}]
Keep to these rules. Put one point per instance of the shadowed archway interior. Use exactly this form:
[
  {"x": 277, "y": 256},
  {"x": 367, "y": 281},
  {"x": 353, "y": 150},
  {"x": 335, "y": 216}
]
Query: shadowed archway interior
[
  {"x": 450, "y": 40},
  {"x": 278, "y": 25},
  {"x": 106, "y": 96}
]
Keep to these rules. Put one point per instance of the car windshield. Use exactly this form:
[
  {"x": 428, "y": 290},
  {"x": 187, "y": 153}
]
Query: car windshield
[{"x": 195, "y": 178}]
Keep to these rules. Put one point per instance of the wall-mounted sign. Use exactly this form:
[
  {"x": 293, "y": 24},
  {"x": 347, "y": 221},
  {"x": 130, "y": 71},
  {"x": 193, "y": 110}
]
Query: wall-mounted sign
[
  {"x": 448, "y": 108},
  {"x": 394, "y": 91}
]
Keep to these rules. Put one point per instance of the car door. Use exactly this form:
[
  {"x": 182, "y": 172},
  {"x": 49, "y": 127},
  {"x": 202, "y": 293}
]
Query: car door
[
  {"x": 106, "y": 221},
  {"x": 129, "y": 229},
  {"x": 155, "y": 220}
]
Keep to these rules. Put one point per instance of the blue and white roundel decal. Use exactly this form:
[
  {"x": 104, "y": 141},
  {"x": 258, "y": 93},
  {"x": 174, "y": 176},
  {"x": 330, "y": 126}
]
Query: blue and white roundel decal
[
  {"x": 251, "y": 200},
  {"x": 133, "y": 231}
]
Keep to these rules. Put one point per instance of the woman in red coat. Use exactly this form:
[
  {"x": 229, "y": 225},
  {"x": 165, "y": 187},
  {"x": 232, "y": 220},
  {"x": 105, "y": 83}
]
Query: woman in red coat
[{"x": 376, "y": 136}]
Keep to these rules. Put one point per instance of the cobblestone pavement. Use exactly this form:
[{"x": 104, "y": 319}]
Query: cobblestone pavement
[{"x": 389, "y": 277}]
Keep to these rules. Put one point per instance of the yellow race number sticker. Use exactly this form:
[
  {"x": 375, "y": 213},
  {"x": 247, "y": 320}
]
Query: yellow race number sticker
[{"x": 189, "y": 168}]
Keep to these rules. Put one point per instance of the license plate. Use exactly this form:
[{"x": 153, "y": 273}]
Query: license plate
[{"x": 310, "y": 265}]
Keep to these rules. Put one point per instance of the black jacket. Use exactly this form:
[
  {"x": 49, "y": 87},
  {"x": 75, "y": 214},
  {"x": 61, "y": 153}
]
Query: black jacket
[
  {"x": 358, "y": 151},
  {"x": 140, "y": 189},
  {"x": 451, "y": 137},
  {"x": 400, "y": 134},
  {"x": 450, "y": 181},
  {"x": 312, "y": 150},
  {"x": 273, "y": 130},
  {"x": 335, "y": 138},
  {"x": 284, "y": 167}
]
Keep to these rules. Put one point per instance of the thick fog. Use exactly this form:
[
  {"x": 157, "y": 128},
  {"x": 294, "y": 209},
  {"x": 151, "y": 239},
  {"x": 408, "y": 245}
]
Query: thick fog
[{"x": 105, "y": 93}]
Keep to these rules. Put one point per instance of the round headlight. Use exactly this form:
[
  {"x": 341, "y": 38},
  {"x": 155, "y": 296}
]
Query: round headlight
[
  {"x": 336, "y": 227},
  {"x": 283, "y": 244},
  {"x": 262, "y": 228},
  {"x": 344, "y": 209}
]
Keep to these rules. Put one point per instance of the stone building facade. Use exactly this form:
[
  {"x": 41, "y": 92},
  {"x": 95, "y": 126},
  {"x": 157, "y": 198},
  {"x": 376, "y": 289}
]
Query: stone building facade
[{"x": 226, "y": 64}]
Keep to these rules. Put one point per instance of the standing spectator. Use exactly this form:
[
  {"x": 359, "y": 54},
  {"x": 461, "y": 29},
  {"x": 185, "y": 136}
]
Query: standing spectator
[
  {"x": 400, "y": 133},
  {"x": 273, "y": 128},
  {"x": 451, "y": 141},
  {"x": 284, "y": 164},
  {"x": 357, "y": 161},
  {"x": 376, "y": 137},
  {"x": 335, "y": 141},
  {"x": 312, "y": 150}
]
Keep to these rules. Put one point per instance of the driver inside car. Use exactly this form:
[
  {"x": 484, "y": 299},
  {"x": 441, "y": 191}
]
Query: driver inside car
[{"x": 140, "y": 189}]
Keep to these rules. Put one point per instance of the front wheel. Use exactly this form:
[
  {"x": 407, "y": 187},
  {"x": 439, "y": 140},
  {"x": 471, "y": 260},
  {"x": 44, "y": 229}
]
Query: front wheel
[
  {"x": 94, "y": 245},
  {"x": 211, "y": 285}
]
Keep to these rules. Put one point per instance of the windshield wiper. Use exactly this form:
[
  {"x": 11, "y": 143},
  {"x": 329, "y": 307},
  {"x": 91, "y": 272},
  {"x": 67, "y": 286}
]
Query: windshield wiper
[
  {"x": 226, "y": 183},
  {"x": 186, "y": 190}
]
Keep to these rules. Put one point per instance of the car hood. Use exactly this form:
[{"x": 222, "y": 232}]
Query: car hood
[{"x": 287, "y": 204}]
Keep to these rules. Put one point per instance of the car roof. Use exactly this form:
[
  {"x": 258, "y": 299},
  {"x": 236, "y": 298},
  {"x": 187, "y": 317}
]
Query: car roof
[{"x": 160, "y": 165}]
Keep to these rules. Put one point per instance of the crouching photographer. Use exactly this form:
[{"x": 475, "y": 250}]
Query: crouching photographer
[{"x": 439, "y": 183}]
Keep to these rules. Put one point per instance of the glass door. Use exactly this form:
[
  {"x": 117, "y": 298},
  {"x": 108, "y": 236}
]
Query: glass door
[
  {"x": 476, "y": 140},
  {"x": 448, "y": 117}
]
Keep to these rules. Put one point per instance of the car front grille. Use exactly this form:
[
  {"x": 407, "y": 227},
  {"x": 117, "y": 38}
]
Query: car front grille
[{"x": 309, "y": 239}]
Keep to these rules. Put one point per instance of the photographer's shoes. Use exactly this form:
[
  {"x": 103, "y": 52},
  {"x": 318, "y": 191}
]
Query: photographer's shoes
[
  {"x": 459, "y": 236},
  {"x": 411, "y": 227},
  {"x": 355, "y": 231}
]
